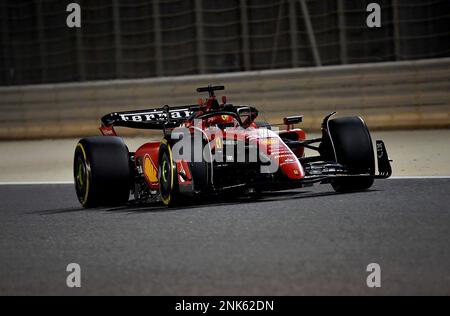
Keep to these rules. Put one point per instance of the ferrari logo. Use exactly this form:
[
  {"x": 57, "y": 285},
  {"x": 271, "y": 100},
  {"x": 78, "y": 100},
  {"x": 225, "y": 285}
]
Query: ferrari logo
[{"x": 296, "y": 172}]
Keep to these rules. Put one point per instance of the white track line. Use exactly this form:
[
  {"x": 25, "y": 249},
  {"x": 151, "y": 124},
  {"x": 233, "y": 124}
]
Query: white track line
[
  {"x": 419, "y": 177},
  {"x": 35, "y": 183},
  {"x": 12, "y": 183}
]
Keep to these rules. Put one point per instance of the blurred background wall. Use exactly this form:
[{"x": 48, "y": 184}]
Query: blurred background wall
[
  {"x": 306, "y": 57},
  {"x": 145, "y": 38}
]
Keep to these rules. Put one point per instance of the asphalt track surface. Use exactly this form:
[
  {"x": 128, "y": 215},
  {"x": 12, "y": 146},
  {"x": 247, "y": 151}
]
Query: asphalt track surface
[{"x": 302, "y": 242}]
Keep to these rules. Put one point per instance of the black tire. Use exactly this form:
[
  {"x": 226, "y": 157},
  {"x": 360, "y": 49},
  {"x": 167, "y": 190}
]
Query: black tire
[
  {"x": 353, "y": 148},
  {"x": 168, "y": 176},
  {"x": 102, "y": 172},
  {"x": 201, "y": 170}
]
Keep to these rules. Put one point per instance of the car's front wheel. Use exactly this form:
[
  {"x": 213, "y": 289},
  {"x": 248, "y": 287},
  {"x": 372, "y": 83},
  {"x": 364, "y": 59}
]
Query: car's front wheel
[{"x": 349, "y": 143}]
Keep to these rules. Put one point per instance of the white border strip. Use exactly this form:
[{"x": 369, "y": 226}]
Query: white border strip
[
  {"x": 419, "y": 177},
  {"x": 12, "y": 183},
  {"x": 35, "y": 183}
]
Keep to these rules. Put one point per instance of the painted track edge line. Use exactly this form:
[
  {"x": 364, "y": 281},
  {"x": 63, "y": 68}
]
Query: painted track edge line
[
  {"x": 12, "y": 183},
  {"x": 418, "y": 177},
  {"x": 5, "y": 183}
]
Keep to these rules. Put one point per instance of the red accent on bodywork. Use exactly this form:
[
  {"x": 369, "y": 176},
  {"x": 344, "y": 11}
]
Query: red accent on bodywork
[
  {"x": 107, "y": 131},
  {"x": 293, "y": 170},
  {"x": 182, "y": 166},
  {"x": 287, "y": 160},
  {"x": 268, "y": 141},
  {"x": 271, "y": 144},
  {"x": 296, "y": 135}
]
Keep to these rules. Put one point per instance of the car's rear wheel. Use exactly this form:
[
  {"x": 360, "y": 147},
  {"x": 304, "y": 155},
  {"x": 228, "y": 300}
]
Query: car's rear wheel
[
  {"x": 168, "y": 176},
  {"x": 102, "y": 172},
  {"x": 351, "y": 146}
]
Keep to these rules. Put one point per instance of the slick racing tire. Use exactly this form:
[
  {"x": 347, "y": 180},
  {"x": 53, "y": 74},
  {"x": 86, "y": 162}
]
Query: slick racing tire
[
  {"x": 353, "y": 148},
  {"x": 102, "y": 172},
  {"x": 168, "y": 176}
]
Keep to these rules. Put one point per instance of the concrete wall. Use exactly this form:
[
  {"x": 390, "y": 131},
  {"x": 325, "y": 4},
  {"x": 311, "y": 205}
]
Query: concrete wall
[{"x": 388, "y": 95}]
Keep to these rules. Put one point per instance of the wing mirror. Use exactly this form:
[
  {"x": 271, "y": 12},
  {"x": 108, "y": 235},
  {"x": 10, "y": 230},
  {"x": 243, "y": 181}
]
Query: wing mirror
[{"x": 290, "y": 121}]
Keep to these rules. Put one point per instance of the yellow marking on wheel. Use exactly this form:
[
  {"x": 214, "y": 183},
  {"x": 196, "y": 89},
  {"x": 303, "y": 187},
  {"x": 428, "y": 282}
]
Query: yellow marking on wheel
[
  {"x": 167, "y": 200},
  {"x": 86, "y": 195},
  {"x": 219, "y": 143}
]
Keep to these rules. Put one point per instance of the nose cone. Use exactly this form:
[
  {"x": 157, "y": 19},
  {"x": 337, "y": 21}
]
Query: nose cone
[
  {"x": 292, "y": 168},
  {"x": 280, "y": 154}
]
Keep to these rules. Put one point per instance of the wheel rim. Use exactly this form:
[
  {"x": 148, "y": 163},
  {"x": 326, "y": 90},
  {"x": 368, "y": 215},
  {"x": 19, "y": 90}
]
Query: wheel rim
[
  {"x": 81, "y": 178},
  {"x": 164, "y": 171},
  {"x": 165, "y": 177}
]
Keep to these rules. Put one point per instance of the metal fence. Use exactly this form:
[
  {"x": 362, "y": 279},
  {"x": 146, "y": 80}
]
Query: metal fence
[
  {"x": 144, "y": 38},
  {"x": 392, "y": 95}
]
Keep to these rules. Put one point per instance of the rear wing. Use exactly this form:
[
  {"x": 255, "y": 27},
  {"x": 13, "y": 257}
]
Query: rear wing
[
  {"x": 154, "y": 119},
  {"x": 168, "y": 117}
]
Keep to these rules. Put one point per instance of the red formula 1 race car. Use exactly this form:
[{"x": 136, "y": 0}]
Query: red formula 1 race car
[{"x": 212, "y": 148}]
